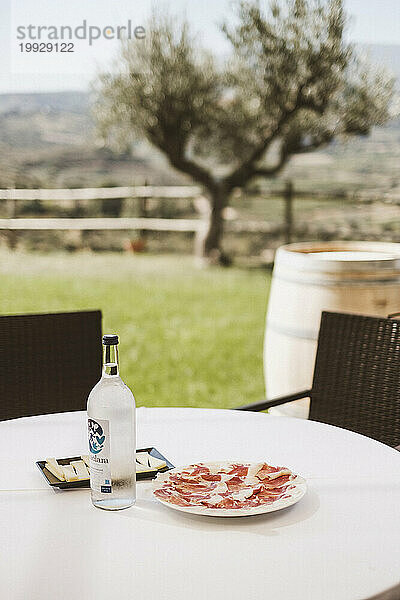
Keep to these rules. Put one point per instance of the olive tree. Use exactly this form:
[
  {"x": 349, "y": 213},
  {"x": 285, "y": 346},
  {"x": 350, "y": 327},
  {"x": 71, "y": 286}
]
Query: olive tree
[{"x": 291, "y": 84}]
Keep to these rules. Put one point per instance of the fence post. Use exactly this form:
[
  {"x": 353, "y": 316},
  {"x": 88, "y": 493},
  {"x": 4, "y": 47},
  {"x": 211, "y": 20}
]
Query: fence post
[
  {"x": 12, "y": 213},
  {"x": 143, "y": 212},
  {"x": 288, "y": 198},
  {"x": 202, "y": 205}
]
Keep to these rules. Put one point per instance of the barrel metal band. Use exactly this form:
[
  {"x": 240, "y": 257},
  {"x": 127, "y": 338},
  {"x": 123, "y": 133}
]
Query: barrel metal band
[
  {"x": 338, "y": 283},
  {"x": 303, "y": 334}
]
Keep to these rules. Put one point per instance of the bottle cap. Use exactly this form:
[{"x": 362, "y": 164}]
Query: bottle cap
[{"x": 110, "y": 339}]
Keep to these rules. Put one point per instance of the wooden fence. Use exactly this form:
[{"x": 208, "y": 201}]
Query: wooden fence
[
  {"x": 198, "y": 225},
  {"x": 144, "y": 223}
]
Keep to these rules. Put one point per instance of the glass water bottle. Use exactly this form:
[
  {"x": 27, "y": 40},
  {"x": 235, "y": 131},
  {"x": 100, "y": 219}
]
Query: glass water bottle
[{"x": 112, "y": 435}]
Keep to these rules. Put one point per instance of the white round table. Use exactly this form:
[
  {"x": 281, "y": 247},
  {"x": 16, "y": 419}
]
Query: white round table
[{"x": 340, "y": 542}]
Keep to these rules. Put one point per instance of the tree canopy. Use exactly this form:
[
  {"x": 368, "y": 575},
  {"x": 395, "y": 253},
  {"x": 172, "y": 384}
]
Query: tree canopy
[{"x": 291, "y": 84}]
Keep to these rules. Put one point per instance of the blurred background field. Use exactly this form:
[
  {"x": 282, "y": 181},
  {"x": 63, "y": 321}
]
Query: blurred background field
[{"x": 189, "y": 337}]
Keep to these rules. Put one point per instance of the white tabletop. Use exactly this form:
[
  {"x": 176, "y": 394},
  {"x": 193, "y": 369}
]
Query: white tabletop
[{"x": 340, "y": 542}]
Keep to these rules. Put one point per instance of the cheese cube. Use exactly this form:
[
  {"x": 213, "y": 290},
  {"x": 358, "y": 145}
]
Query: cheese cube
[
  {"x": 80, "y": 469},
  {"x": 69, "y": 473},
  {"x": 85, "y": 458},
  {"x": 156, "y": 463},
  {"x": 143, "y": 458},
  {"x": 54, "y": 468}
]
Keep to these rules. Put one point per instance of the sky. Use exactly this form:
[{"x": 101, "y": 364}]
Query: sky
[{"x": 372, "y": 22}]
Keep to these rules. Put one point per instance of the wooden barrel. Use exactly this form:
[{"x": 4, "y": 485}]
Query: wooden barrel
[{"x": 355, "y": 277}]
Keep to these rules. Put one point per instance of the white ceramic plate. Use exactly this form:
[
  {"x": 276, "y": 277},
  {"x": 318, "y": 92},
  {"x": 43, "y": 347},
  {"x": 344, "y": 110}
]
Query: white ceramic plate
[{"x": 298, "y": 488}]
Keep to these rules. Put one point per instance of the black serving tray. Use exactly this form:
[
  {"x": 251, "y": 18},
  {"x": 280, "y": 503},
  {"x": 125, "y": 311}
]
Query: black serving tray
[{"x": 85, "y": 483}]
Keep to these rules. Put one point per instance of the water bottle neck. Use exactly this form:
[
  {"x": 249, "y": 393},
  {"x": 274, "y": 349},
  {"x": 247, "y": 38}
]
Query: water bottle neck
[{"x": 110, "y": 361}]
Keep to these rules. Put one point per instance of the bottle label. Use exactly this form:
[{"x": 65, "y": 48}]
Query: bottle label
[{"x": 99, "y": 457}]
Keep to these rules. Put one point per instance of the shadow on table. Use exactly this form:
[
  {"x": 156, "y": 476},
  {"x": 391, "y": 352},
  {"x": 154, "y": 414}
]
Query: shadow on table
[{"x": 147, "y": 508}]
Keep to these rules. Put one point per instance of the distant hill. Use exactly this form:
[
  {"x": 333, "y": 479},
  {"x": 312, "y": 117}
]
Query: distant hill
[
  {"x": 75, "y": 102},
  {"x": 47, "y": 140}
]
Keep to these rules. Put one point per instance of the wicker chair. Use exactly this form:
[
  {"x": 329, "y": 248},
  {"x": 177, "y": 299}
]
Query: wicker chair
[
  {"x": 356, "y": 381},
  {"x": 48, "y": 362}
]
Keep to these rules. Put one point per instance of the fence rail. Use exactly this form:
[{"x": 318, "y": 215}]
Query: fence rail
[
  {"x": 144, "y": 191},
  {"x": 181, "y": 192},
  {"x": 94, "y": 223}
]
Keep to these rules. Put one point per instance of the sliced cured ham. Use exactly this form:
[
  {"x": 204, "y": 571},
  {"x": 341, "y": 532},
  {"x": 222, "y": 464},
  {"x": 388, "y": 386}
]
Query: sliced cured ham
[{"x": 227, "y": 486}]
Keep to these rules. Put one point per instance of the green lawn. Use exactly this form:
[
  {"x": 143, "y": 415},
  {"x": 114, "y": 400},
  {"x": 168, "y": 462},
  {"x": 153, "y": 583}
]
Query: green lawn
[{"x": 189, "y": 337}]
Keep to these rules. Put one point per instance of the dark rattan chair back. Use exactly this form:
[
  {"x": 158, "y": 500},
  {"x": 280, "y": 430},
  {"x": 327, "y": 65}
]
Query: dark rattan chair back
[
  {"x": 357, "y": 375},
  {"x": 48, "y": 363}
]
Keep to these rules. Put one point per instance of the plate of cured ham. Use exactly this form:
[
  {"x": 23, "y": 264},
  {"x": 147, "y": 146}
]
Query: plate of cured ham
[{"x": 229, "y": 489}]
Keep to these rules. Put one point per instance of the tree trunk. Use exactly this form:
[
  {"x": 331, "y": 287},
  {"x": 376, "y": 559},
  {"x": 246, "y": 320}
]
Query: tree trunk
[
  {"x": 213, "y": 239},
  {"x": 211, "y": 247}
]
